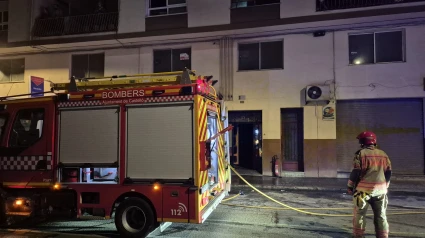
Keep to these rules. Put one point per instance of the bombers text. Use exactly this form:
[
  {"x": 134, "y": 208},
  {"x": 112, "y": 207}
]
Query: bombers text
[{"x": 124, "y": 94}]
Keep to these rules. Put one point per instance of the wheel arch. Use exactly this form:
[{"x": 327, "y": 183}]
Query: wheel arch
[{"x": 124, "y": 196}]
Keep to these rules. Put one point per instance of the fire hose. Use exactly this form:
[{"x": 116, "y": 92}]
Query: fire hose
[{"x": 300, "y": 210}]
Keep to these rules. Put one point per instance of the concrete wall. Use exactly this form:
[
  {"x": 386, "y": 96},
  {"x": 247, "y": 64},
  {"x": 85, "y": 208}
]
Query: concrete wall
[
  {"x": 54, "y": 67},
  {"x": 208, "y": 12},
  {"x": 391, "y": 80},
  {"x": 132, "y": 16},
  {"x": 307, "y": 60},
  {"x": 122, "y": 61},
  {"x": 19, "y": 20}
]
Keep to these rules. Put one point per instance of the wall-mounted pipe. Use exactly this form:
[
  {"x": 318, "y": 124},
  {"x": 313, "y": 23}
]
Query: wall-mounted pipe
[{"x": 226, "y": 68}]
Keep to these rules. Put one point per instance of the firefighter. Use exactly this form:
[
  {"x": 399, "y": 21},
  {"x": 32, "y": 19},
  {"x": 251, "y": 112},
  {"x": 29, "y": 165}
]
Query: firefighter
[{"x": 368, "y": 183}]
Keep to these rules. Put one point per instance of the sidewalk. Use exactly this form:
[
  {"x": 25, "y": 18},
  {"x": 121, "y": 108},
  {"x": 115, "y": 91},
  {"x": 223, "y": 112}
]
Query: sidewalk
[{"x": 318, "y": 184}]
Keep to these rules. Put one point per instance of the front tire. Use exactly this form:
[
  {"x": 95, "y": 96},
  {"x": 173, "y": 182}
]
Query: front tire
[{"x": 134, "y": 218}]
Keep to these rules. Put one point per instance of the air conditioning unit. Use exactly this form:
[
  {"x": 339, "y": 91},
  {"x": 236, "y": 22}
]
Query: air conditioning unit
[{"x": 315, "y": 93}]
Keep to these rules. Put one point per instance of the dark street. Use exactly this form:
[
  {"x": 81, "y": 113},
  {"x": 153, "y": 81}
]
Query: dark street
[
  {"x": 263, "y": 218},
  {"x": 124, "y": 113}
]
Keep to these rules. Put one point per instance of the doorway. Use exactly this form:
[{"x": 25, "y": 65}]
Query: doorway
[
  {"x": 246, "y": 142},
  {"x": 292, "y": 139}
]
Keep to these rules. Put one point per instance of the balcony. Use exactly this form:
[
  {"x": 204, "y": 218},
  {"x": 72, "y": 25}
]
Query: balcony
[
  {"x": 73, "y": 25},
  {"x": 328, "y": 5}
]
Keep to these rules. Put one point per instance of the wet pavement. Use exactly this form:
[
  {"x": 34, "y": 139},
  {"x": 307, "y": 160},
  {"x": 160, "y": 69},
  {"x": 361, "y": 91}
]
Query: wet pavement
[
  {"x": 398, "y": 184},
  {"x": 253, "y": 215}
]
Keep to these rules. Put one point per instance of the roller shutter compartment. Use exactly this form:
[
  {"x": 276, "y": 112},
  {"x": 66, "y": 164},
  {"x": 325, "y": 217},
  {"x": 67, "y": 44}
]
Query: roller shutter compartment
[
  {"x": 398, "y": 124},
  {"x": 160, "y": 141},
  {"x": 89, "y": 135}
]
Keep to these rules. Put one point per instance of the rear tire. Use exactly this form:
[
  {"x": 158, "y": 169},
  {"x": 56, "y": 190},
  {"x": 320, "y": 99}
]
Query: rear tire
[{"x": 134, "y": 218}]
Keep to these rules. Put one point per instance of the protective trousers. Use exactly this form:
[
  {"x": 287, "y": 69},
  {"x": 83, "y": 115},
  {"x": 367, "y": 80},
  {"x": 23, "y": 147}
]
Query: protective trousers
[{"x": 379, "y": 206}]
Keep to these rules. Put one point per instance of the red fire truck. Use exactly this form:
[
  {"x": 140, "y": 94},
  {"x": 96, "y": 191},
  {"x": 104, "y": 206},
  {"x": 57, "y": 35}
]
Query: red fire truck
[{"x": 145, "y": 149}]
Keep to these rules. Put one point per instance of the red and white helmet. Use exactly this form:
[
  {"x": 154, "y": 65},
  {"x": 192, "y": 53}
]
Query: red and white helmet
[{"x": 367, "y": 138}]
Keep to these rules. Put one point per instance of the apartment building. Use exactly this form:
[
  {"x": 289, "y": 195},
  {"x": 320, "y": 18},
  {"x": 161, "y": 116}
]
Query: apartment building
[{"x": 366, "y": 57}]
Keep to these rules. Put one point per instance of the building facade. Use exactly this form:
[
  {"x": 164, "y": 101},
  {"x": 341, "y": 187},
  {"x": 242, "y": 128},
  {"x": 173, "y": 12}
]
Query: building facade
[{"x": 366, "y": 57}]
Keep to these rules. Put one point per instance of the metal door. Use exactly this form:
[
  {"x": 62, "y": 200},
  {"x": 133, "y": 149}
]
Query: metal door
[{"x": 398, "y": 124}]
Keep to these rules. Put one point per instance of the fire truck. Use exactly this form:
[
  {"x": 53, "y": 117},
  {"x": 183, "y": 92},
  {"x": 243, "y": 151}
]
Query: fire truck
[{"x": 146, "y": 149}]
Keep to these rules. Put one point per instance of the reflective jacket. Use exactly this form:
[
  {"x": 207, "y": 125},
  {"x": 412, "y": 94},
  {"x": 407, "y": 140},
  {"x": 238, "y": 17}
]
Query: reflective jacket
[{"x": 372, "y": 171}]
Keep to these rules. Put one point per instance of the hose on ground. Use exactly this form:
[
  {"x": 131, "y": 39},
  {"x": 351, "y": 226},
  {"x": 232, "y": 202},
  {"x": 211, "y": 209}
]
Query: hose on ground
[{"x": 298, "y": 209}]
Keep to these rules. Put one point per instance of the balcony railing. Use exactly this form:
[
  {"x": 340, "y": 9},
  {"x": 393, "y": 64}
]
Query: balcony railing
[
  {"x": 327, "y": 5},
  {"x": 72, "y": 25}
]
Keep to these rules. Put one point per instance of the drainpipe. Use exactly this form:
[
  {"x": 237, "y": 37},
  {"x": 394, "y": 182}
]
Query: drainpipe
[
  {"x": 31, "y": 19},
  {"x": 333, "y": 95}
]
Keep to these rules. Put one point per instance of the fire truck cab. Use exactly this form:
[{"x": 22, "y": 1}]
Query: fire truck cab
[{"x": 144, "y": 149}]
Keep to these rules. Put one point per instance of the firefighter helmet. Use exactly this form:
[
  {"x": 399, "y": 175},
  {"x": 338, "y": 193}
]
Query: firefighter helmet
[{"x": 367, "y": 138}]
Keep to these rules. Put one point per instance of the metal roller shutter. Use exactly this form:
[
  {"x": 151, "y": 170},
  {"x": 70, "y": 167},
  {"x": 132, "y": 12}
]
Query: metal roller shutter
[
  {"x": 160, "y": 141},
  {"x": 89, "y": 135},
  {"x": 398, "y": 124}
]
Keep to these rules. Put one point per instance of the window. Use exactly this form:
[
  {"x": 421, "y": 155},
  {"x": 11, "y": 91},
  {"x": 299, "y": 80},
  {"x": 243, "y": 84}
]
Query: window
[
  {"x": 12, "y": 70},
  {"x": 263, "y": 55},
  {"x": 27, "y": 128},
  {"x": 171, "y": 60},
  {"x": 88, "y": 65},
  {"x": 378, "y": 47},
  {"x": 3, "y": 120},
  {"x": 166, "y": 7},
  {"x": 4, "y": 21},
  {"x": 250, "y": 3}
]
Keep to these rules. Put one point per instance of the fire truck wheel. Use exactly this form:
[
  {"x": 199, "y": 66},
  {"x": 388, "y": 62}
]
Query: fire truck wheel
[{"x": 134, "y": 218}]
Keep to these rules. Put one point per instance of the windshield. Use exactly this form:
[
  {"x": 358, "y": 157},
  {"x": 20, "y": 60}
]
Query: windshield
[{"x": 3, "y": 119}]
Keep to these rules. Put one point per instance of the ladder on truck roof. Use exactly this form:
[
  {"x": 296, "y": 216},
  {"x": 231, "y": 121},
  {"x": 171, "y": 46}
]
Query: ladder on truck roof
[
  {"x": 124, "y": 81},
  {"x": 184, "y": 77}
]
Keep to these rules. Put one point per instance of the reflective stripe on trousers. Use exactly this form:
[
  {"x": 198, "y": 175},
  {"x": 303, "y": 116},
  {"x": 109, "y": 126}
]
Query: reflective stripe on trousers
[{"x": 379, "y": 206}]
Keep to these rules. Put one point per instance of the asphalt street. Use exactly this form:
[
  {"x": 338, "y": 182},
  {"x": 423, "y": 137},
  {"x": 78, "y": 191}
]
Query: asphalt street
[{"x": 252, "y": 215}]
